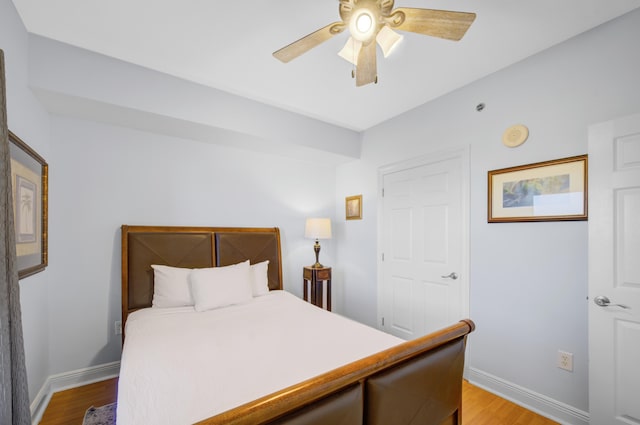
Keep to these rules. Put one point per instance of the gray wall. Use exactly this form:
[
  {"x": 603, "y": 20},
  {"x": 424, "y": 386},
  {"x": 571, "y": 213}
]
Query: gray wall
[
  {"x": 528, "y": 281},
  {"x": 105, "y": 176}
]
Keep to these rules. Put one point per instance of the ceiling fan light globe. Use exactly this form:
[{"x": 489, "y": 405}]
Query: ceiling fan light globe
[
  {"x": 388, "y": 40},
  {"x": 362, "y": 25},
  {"x": 351, "y": 50}
]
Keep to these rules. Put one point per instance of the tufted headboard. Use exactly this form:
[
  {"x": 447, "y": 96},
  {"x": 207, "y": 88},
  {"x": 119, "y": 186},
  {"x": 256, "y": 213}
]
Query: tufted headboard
[{"x": 190, "y": 247}]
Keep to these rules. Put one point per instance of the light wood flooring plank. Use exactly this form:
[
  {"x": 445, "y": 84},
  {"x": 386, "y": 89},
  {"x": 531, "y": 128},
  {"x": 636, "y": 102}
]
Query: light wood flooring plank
[
  {"x": 68, "y": 407},
  {"x": 480, "y": 407}
]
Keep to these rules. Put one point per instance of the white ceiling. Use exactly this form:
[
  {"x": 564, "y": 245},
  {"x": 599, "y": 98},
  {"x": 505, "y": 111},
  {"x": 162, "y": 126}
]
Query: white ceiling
[{"x": 228, "y": 46}]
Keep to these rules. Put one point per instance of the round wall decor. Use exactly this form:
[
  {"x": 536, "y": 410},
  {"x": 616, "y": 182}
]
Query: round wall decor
[{"x": 515, "y": 135}]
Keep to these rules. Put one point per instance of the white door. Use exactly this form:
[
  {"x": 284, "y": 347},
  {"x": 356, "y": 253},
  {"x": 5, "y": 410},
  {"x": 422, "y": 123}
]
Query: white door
[
  {"x": 423, "y": 285},
  {"x": 614, "y": 272}
]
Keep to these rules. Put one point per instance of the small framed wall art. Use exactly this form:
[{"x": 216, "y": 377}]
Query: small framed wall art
[
  {"x": 545, "y": 191},
  {"x": 353, "y": 207},
  {"x": 29, "y": 179}
]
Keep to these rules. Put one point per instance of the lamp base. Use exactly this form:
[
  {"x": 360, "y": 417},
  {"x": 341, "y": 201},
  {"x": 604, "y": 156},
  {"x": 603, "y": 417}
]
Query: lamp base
[{"x": 316, "y": 249}]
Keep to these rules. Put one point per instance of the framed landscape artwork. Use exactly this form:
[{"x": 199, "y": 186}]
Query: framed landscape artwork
[
  {"x": 545, "y": 191},
  {"x": 29, "y": 179}
]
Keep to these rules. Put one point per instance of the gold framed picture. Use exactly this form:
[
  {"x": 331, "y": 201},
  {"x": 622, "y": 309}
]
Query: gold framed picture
[
  {"x": 29, "y": 179},
  {"x": 545, "y": 191},
  {"x": 353, "y": 207}
]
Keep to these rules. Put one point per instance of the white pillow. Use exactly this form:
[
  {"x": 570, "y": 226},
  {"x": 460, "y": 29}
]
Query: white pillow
[
  {"x": 217, "y": 287},
  {"x": 260, "y": 279},
  {"x": 171, "y": 287}
]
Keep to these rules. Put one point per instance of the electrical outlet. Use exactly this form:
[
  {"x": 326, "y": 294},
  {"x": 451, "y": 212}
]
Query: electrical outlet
[
  {"x": 565, "y": 360},
  {"x": 118, "y": 327}
]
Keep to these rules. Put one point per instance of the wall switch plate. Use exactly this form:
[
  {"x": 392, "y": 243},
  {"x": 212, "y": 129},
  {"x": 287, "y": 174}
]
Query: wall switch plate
[
  {"x": 118, "y": 327},
  {"x": 565, "y": 360}
]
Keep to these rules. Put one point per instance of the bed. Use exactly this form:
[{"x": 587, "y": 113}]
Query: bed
[{"x": 273, "y": 359}]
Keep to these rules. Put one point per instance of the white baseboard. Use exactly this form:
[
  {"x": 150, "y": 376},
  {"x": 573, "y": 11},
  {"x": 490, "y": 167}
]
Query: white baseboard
[
  {"x": 64, "y": 381},
  {"x": 541, "y": 404}
]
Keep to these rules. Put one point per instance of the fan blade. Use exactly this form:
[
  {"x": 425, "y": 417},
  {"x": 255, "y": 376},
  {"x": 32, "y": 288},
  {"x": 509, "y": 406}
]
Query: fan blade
[
  {"x": 308, "y": 42},
  {"x": 436, "y": 23},
  {"x": 366, "y": 71}
]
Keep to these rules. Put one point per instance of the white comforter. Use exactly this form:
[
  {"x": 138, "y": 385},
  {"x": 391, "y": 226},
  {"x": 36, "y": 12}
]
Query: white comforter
[{"x": 180, "y": 366}]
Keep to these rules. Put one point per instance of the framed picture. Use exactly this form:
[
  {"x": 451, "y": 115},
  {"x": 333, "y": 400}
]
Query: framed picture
[
  {"x": 353, "y": 207},
  {"x": 29, "y": 179},
  {"x": 544, "y": 191}
]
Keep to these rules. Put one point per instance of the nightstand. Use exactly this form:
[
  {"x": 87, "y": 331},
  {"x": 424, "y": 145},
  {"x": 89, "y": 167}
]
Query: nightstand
[{"x": 315, "y": 277}]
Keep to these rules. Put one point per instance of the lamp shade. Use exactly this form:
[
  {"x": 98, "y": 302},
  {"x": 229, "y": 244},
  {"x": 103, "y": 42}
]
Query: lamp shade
[{"x": 318, "y": 228}]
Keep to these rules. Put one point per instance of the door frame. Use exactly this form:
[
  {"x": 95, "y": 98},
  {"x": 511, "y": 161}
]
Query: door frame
[{"x": 462, "y": 153}]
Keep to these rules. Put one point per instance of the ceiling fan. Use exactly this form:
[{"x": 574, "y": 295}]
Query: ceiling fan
[{"x": 371, "y": 21}]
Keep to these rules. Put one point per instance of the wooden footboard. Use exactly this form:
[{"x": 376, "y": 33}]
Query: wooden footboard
[{"x": 419, "y": 381}]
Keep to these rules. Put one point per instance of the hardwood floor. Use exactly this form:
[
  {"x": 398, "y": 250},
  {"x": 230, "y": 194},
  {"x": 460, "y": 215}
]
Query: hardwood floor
[
  {"x": 68, "y": 407},
  {"x": 479, "y": 407}
]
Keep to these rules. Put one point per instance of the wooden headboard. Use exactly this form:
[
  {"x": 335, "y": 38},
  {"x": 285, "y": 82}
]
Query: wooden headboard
[{"x": 190, "y": 247}]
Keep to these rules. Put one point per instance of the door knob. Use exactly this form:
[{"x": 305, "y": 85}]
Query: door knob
[
  {"x": 603, "y": 301},
  {"x": 451, "y": 275}
]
